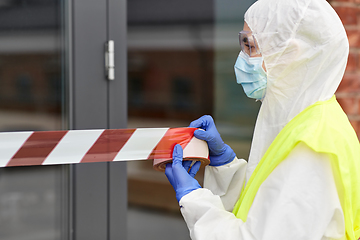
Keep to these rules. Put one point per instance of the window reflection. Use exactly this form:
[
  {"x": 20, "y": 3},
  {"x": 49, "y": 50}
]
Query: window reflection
[
  {"x": 170, "y": 79},
  {"x": 170, "y": 61},
  {"x": 180, "y": 66},
  {"x": 31, "y": 90},
  {"x": 30, "y": 65},
  {"x": 170, "y": 84}
]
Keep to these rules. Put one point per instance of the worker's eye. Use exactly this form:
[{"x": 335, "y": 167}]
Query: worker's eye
[{"x": 250, "y": 47}]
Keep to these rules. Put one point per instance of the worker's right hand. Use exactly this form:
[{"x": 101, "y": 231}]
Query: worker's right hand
[
  {"x": 178, "y": 173},
  {"x": 220, "y": 153}
]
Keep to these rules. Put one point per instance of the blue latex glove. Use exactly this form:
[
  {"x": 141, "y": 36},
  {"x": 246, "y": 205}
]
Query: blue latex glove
[
  {"x": 177, "y": 173},
  {"x": 220, "y": 153}
]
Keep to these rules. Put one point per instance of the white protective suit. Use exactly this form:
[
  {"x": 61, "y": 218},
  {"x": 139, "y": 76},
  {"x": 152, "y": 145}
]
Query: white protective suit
[{"x": 305, "y": 50}]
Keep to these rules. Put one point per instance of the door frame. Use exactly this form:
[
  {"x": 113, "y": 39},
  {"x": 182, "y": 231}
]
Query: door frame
[{"x": 97, "y": 191}]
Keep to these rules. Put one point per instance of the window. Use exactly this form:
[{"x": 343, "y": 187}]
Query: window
[{"x": 181, "y": 56}]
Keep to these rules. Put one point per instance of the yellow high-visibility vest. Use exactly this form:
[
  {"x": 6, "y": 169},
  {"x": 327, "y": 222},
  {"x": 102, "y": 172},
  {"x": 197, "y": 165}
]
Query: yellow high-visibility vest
[{"x": 325, "y": 128}]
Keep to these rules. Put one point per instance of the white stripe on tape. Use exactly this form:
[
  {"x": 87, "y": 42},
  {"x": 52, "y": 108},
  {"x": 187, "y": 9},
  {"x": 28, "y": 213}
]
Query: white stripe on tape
[
  {"x": 10, "y": 144},
  {"x": 141, "y": 144},
  {"x": 73, "y": 147}
]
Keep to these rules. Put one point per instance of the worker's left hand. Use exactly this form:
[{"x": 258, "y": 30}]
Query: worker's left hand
[{"x": 177, "y": 173}]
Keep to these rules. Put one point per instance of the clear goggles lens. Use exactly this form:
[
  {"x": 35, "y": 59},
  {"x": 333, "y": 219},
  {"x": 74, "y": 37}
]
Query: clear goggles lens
[{"x": 248, "y": 44}]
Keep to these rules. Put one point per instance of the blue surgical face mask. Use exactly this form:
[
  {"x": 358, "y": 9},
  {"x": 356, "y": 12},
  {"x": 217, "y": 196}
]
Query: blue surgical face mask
[{"x": 250, "y": 74}]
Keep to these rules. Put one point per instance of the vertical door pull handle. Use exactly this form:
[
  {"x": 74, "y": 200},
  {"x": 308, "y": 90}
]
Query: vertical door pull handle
[{"x": 110, "y": 60}]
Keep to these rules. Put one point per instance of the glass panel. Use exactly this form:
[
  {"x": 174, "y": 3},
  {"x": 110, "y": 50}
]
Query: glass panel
[
  {"x": 32, "y": 97},
  {"x": 170, "y": 79},
  {"x": 181, "y": 57}
]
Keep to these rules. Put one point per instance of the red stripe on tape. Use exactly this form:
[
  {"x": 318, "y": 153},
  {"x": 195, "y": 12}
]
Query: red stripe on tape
[
  {"x": 108, "y": 145},
  {"x": 173, "y": 136},
  {"x": 36, "y": 148}
]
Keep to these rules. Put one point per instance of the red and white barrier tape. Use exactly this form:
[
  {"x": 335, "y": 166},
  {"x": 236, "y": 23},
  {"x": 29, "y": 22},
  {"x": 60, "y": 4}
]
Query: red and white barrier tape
[{"x": 79, "y": 146}]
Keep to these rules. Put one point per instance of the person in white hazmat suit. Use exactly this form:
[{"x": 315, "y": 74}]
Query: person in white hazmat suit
[{"x": 302, "y": 178}]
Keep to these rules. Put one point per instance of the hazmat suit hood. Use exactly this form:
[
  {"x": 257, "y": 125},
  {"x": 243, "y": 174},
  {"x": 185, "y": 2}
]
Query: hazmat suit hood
[{"x": 305, "y": 50}]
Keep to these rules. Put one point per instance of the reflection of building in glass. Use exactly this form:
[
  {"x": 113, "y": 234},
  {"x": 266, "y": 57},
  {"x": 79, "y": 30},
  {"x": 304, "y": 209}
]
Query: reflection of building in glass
[
  {"x": 30, "y": 99},
  {"x": 30, "y": 65},
  {"x": 170, "y": 80},
  {"x": 180, "y": 66},
  {"x": 30, "y": 82},
  {"x": 169, "y": 84},
  {"x": 170, "y": 58}
]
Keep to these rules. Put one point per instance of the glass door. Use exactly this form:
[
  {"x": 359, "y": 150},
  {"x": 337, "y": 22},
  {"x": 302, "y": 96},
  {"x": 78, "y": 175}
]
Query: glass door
[{"x": 52, "y": 77}]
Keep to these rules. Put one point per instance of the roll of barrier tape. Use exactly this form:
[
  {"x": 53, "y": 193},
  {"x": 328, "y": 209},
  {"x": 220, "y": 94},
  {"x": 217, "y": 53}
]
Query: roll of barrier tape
[
  {"x": 195, "y": 150},
  {"x": 80, "y": 146}
]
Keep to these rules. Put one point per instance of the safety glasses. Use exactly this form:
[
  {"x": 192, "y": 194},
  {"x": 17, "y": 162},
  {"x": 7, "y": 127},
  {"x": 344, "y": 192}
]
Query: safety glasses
[{"x": 248, "y": 44}]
